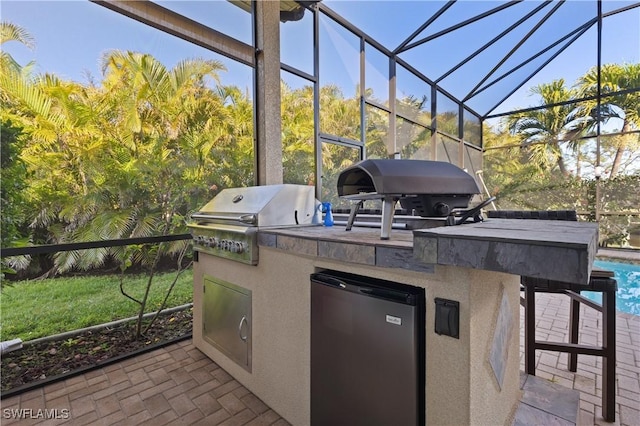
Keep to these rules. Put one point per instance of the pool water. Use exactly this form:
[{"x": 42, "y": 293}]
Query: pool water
[{"x": 628, "y": 294}]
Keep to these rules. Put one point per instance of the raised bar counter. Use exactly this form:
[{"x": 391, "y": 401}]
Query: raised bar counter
[{"x": 555, "y": 250}]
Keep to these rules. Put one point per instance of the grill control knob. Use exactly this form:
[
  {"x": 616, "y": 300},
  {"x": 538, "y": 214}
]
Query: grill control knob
[{"x": 441, "y": 209}]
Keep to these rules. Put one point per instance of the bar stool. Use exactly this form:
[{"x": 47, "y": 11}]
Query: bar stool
[{"x": 601, "y": 281}]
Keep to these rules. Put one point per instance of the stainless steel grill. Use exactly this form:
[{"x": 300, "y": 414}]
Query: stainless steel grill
[
  {"x": 425, "y": 188},
  {"x": 227, "y": 225}
]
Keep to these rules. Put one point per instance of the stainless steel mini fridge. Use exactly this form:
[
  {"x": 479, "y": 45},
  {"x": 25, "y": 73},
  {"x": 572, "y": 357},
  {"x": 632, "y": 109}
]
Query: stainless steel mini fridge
[{"x": 367, "y": 351}]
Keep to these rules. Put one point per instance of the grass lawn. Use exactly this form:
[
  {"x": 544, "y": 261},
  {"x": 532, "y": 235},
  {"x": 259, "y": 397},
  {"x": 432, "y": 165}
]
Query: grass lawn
[{"x": 38, "y": 308}]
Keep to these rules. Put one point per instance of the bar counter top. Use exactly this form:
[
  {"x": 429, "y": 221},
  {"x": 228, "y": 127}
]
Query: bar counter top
[
  {"x": 557, "y": 250},
  {"x": 548, "y": 249}
]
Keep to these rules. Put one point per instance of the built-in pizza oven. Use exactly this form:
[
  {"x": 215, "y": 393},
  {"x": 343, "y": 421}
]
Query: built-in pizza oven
[{"x": 425, "y": 188}]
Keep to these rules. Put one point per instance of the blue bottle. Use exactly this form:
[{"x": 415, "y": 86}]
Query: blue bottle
[{"x": 328, "y": 216}]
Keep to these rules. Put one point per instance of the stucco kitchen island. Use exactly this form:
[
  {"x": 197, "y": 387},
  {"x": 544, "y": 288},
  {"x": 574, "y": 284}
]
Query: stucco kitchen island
[{"x": 473, "y": 379}]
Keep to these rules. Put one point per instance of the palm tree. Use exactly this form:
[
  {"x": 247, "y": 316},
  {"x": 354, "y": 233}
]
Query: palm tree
[
  {"x": 115, "y": 160},
  {"x": 541, "y": 131},
  {"x": 12, "y": 32},
  {"x": 297, "y": 134},
  {"x": 509, "y": 175},
  {"x": 620, "y": 90},
  {"x": 231, "y": 155},
  {"x": 12, "y": 198},
  {"x": 151, "y": 115}
]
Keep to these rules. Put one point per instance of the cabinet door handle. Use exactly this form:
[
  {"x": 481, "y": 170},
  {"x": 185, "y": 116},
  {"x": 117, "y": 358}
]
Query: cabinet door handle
[{"x": 243, "y": 320}]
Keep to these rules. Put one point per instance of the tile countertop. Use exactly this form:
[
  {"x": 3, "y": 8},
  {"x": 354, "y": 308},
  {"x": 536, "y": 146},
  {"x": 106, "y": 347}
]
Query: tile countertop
[
  {"x": 556, "y": 250},
  {"x": 360, "y": 245},
  {"x": 548, "y": 249}
]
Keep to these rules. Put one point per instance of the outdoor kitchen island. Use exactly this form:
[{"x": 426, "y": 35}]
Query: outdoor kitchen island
[{"x": 470, "y": 379}]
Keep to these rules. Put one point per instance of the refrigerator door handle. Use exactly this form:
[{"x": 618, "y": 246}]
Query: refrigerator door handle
[
  {"x": 385, "y": 294},
  {"x": 328, "y": 280}
]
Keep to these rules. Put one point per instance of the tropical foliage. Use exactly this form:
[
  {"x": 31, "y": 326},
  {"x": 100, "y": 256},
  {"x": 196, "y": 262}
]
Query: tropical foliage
[
  {"x": 542, "y": 131},
  {"x": 564, "y": 131},
  {"x": 14, "y": 180},
  {"x": 128, "y": 157},
  {"x": 546, "y": 158}
]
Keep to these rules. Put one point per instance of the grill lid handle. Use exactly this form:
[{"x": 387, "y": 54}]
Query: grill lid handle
[{"x": 245, "y": 218}]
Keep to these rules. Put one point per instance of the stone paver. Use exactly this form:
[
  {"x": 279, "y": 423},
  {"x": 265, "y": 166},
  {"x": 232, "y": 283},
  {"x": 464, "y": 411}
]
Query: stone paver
[
  {"x": 134, "y": 392},
  {"x": 179, "y": 385}
]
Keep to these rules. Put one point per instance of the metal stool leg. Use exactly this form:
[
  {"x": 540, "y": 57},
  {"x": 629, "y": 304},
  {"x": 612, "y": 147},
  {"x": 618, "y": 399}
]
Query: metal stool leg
[
  {"x": 609, "y": 358},
  {"x": 574, "y": 322},
  {"x": 530, "y": 329}
]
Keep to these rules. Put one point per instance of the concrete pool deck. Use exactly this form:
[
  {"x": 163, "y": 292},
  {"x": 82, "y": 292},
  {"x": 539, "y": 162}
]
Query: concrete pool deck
[{"x": 619, "y": 254}]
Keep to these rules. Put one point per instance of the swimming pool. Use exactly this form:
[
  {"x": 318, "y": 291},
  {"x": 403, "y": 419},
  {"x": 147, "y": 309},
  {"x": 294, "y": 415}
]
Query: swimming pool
[{"x": 628, "y": 277}]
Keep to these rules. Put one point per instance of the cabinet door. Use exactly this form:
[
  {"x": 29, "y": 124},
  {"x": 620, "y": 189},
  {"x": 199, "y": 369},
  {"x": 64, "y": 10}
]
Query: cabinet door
[{"x": 226, "y": 316}]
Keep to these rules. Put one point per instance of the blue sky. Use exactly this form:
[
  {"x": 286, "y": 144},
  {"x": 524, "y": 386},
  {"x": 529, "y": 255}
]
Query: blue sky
[{"x": 71, "y": 35}]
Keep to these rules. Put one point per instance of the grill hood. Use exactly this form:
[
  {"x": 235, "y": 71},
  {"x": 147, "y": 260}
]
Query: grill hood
[{"x": 268, "y": 205}]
